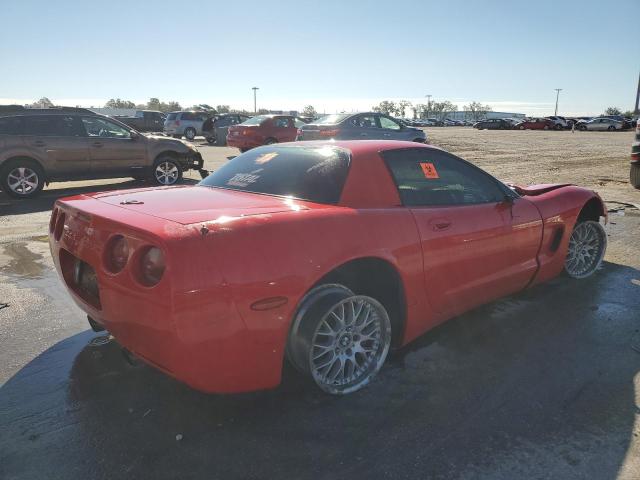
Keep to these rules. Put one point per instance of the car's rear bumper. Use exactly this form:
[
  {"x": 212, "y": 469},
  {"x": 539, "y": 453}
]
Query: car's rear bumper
[
  {"x": 243, "y": 142},
  {"x": 195, "y": 335}
]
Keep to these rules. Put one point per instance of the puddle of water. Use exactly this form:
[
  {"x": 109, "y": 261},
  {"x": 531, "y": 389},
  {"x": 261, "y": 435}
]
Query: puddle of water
[{"x": 17, "y": 259}]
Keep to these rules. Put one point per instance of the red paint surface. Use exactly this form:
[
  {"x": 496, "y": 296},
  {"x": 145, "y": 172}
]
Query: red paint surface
[{"x": 227, "y": 250}]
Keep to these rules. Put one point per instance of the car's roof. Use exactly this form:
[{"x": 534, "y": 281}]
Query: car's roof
[
  {"x": 359, "y": 147},
  {"x": 18, "y": 110}
]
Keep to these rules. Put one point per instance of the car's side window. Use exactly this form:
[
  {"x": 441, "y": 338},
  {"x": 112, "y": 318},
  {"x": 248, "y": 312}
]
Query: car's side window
[
  {"x": 386, "y": 122},
  {"x": 430, "y": 177},
  {"x": 298, "y": 123},
  {"x": 51, "y": 126},
  {"x": 282, "y": 122},
  {"x": 365, "y": 121},
  {"x": 11, "y": 125},
  {"x": 99, "y": 127}
]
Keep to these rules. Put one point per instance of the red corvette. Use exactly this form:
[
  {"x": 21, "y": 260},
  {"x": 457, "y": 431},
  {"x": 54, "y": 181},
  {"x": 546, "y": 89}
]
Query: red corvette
[
  {"x": 263, "y": 130},
  {"x": 328, "y": 253}
]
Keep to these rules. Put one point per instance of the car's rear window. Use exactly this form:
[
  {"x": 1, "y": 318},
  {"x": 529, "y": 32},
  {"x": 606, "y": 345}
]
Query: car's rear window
[
  {"x": 11, "y": 125},
  {"x": 309, "y": 173},
  {"x": 172, "y": 116},
  {"x": 257, "y": 120},
  {"x": 330, "y": 119}
]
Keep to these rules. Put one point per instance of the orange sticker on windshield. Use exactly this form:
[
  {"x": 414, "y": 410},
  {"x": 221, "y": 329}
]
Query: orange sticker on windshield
[{"x": 429, "y": 170}]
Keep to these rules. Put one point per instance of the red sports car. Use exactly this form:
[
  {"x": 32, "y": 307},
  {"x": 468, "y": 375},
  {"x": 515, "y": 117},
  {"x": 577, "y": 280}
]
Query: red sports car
[
  {"x": 537, "y": 124},
  {"x": 263, "y": 130},
  {"x": 326, "y": 253}
]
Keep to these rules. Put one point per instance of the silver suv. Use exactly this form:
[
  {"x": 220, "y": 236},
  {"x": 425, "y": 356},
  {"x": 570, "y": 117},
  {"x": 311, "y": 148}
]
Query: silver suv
[{"x": 187, "y": 124}]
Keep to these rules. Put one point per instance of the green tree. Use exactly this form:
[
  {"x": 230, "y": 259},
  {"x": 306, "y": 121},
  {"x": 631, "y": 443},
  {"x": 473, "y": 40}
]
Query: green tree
[
  {"x": 263, "y": 111},
  {"x": 156, "y": 104},
  {"x": 309, "y": 111},
  {"x": 44, "y": 102},
  {"x": 613, "y": 111},
  {"x": 118, "y": 103},
  {"x": 402, "y": 107},
  {"x": 223, "y": 108},
  {"x": 386, "y": 107},
  {"x": 476, "y": 110},
  {"x": 441, "y": 109}
]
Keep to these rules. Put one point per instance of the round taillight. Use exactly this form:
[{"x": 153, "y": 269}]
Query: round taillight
[
  {"x": 117, "y": 254},
  {"x": 151, "y": 266},
  {"x": 52, "y": 222}
]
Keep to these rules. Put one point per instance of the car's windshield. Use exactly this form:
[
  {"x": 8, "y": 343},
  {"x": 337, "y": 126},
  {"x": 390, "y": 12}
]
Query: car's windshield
[
  {"x": 331, "y": 119},
  {"x": 257, "y": 120},
  {"x": 316, "y": 174}
]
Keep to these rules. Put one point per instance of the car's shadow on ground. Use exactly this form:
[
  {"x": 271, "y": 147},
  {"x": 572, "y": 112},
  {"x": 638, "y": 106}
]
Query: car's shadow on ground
[
  {"x": 46, "y": 199},
  {"x": 538, "y": 385}
]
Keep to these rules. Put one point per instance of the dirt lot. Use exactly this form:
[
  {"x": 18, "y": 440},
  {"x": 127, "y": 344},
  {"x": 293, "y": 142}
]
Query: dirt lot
[{"x": 542, "y": 384}]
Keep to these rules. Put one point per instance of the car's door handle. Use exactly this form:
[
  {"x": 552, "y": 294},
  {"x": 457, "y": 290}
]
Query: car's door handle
[
  {"x": 97, "y": 144},
  {"x": 39, "y": 143},
  {"x": 440, "y": 224}
]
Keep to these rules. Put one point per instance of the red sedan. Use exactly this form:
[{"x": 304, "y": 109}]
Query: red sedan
[
  {"x": 263, "y": 130},
  {"x": 326, "y": 253}
]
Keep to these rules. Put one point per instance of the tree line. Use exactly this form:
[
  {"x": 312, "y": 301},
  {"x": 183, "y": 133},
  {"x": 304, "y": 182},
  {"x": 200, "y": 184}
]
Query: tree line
[{"x": 438, "y": 110}]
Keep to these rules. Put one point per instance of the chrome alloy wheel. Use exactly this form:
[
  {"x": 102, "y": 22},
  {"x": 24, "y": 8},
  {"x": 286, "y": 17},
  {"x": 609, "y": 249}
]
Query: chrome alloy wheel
[
  {"x": 587, "y": 245},
  {"x": 22, "y": 180},
  {"x": 166, "y": 173},
  {"x": 349, "y": 345}
]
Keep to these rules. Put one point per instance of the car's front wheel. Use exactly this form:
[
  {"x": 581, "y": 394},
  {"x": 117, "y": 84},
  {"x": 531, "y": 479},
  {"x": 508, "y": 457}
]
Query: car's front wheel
[
  {"x": 166, "y": 171},
  {"x": 342, "y": 339},
  {"x": 587, "y": 246},
  {"x": 611, "y": 128},
  {"x": 22, "y": 178}
]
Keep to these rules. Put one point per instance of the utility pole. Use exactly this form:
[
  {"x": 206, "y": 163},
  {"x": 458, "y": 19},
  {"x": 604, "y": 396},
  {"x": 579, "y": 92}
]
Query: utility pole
[
  {"x": 255, "y": 104},
  {"x": 428, "y": 104},
  {"x": 558, "y": 90},
  {"x": 637, "y": 109}
]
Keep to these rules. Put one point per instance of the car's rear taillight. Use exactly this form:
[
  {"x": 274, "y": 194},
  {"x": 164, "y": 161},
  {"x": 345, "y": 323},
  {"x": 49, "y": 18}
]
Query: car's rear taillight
[
  {"x": 117, "y": 254},
  {"x": 52, "y": 221},
  {"x": 152, "y": 266},
  {"x": 329, "y": 133}
]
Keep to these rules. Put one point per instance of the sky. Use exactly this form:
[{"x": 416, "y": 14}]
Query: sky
[{"x": 334, "y": 55}]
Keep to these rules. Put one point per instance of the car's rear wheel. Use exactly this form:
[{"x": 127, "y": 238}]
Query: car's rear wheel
[
  {"x": 242, "y": 150},
  {"x": 270, "y": 141},
  {"x": 611, "y": 128},
  {"x": 521, "y": 127},
  {"x": 634, "y": 175},
  {"x": 211, "y": 140},
  {"x": 166, "y": 171},
  {"x": 342, "y": 339},
  {"x": 558, "y": 127},
  {"x": 587, "y": 246},
  {"x": 190, "y": 133},
  {"x": 22, "y": 178},
  {"x": 582, "y": 128}
]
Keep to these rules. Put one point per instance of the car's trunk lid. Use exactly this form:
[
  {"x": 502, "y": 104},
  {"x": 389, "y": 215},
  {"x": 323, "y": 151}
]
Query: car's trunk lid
[{"x": 194, "y": 204}]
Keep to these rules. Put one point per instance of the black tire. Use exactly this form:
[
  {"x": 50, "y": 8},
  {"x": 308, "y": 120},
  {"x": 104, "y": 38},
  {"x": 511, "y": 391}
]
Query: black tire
[
  {"x": 270, "y": 141},
  {"x": 634, "y": 175},
  {"x": 166, "y": 171},
  {"x": 211, "y": 140},
  {"x": 558, "y": 127},
  {"x": 31, "y": 178},
  {"x": 611, "y": 128},
  {"x": 582, "y": 128},
  {"x": 587, "y": 246},
  {"x": 242, "y": 150},
  {"x": 190, "y": 133},
  {"x": 521, "y": 127},
  {"x": 341, "y": 352}
]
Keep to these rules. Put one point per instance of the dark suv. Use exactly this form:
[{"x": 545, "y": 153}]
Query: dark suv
[{"x": 57, "y": 144}]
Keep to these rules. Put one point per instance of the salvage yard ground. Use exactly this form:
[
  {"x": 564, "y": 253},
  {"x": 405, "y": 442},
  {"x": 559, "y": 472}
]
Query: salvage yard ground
[{"x": 543, "y": 384}]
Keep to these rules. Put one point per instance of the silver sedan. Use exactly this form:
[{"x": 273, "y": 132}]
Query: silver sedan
[{"x": 601, "y": 124}]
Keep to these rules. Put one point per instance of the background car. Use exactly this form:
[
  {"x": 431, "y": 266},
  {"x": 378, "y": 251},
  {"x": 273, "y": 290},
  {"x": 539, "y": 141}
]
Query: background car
[
  {"x": 59, "y": 144},
  {"x": 536, "y": 124},
  {"x": 145, "y": 120},
  {"x": 634, "y": 174},
  {"x": 187, "y": 124},
  {"x": 560, "y": 122},
  {"x": 601, "y": 123},
  {"x": 359, "y": 126},
  {"x": 224, "y": 121},
  {"x": 493, "y": 124},
  {"x": 263, "y": 130},
  {"x": 328, "y": 254},
  {"x": 627, "y": 122}
]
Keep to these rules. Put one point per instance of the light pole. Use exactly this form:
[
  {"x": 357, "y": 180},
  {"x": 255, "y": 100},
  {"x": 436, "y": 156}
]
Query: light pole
[
  {"x": 255, "y": 108},
  {"x": 558, "y": 90},
  {"x": 428, "y": 104}
]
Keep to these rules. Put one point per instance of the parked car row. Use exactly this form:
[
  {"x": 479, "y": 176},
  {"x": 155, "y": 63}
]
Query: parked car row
[
  {"x": 269, "y": 129},
  {"x": 553, "y": 122}
]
